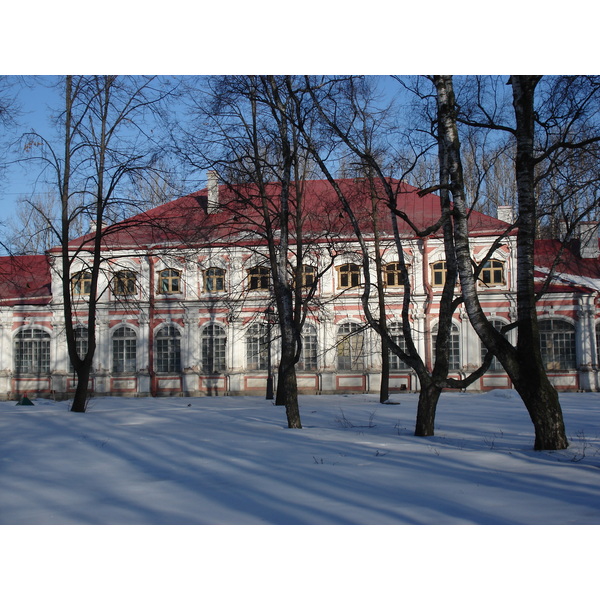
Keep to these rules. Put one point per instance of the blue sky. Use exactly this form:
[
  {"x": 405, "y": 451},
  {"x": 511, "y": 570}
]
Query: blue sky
[{"x": 35, "y": 96}]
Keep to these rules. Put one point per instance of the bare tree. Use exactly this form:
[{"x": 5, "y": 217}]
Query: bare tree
[
  {"x": 104, "y": 146},
  {"x": 344, "y": 118},
  {"x": 247, "y": 135},
  {"x": 563, "y": 133}
]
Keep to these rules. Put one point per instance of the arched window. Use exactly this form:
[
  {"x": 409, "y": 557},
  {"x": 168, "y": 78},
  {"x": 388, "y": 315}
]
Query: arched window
[
  {"x": 169, "y": 282},
  {"x": 124, "y": 283},
  {"x": 393, "y": 275},
  {"x": 168, "y": 350},
  {"x": 557, "y": 340},
  {"x": 32, "y": 351},
  {"x": 124, "y": 350},
  {"x": 395, "y": 331},
  {"x": 492, "y": 273},
  {"x": 214, "y": 280},
  {"x": 495, "y": 365},
  {"x": 350, "y": 347},
  {"x": 258, "y": 278},
  {"x": 438, "y": 273},
  {"x": 81, "y": 283},
  {"x": 213, "y": 341},
  {"x": 308, "y": 356},
  {"x": 453, "y": 346},
  {"x": 348, "y": 276},
  {"x": 257, "y": 339}
]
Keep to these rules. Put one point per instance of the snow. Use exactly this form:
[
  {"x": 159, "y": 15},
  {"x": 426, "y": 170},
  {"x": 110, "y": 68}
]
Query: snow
[{"x": 232, "y": 461}]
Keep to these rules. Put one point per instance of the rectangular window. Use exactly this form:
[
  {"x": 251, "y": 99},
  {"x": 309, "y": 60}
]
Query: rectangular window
[
  {"x": 169, "y": 282},
  {"x": 124, "y": 283},
  {"x": 81, "y": 283},
  {"x": 258, "y": 278},
  {"x": 348, "y": 276},
  {"x": 214, "y": 280}
]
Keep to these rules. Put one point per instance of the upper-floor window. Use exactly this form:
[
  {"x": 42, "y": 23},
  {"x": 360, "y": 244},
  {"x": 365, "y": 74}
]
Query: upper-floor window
[
  {"x": 348, "y": 276},
  {"x": 81, "y": 283},
  {"x": 258, "y": 278},
  {"x": 308, "y": 275},
  {"x": 393, "y": 275},
  {"x": 124, "y": 283},
  {"x": 214, "y": 280},
  {"x": 32, "y": 351},
  {"x": 438, "y": 273},
  {"x": 492, "y": 273},
  {"x": 557, "y": 340},
  {"x": 169, "y": 281},
  {"x": 168, "y": 350},
  {"x": 124, "y": 342}
]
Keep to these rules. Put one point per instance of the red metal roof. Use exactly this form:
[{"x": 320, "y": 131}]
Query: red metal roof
[
  {"x": 24, "y": 280},
  {"x": 571, "y": 272},
  {"x": 239, "y": 220}
]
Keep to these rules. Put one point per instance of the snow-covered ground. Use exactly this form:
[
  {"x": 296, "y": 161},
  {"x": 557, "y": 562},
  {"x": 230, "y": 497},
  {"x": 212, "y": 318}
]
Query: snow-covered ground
[{"x": 232, "y": 460}]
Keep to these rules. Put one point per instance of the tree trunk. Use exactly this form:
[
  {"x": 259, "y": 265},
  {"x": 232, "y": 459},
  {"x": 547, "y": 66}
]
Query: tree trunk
[
  {"x": 81, "y": 392},
  {"x": 524, "y": 364},
  {"x": 538, "y": 394},
  {"x": 543, "y": 406},
  {"x": 384, "y": 390},
  {"x": 287, "y": 384},
  {"x": 428, "y": 400}
]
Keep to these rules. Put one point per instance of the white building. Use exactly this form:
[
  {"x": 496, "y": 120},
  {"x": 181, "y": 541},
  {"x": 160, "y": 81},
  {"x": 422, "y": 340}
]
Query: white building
[{"x": 185, "y": 293}]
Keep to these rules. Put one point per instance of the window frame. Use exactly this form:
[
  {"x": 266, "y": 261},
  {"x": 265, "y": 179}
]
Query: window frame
[
  {"x": 259, "y": 278},
  {"x": 496, "y": 266},
  {"x": 442, "y": 271},
  {"x": 169, "y": 276},
  {"x": 350, "y": 357},
  {"x": 212, "y": 276},
  {"x": 306, "y": 272},
  {"x": 81, "y": 279},
  {"x": 124, "y": 350},
  {"x": 395, "y": 333},
  {"x": 213, "y": 349},
  {"x": 396, "y": 274},
  {"x": 555, "y": 348},
  {"x": 31, "y": 346},
  {"x": 310, "y": 349},
  {"x": 454, "y": 353},
  {"x": 167, "y": 350},
  {"x": 126, "y": 276},
  {"x": 256, "y": 339},
  {"x": 351, "y": 273}
]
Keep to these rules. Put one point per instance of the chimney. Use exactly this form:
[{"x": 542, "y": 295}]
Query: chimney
[
  {"x": 588, "y": 239},
  {"x": 94, "y": 223},
  {"x": 213, "y": 192},
  {"x": 506, "y": 214}
]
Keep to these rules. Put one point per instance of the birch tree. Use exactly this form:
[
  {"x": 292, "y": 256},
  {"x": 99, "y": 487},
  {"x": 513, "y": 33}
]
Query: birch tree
[{"x": 522, "y": 362}]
